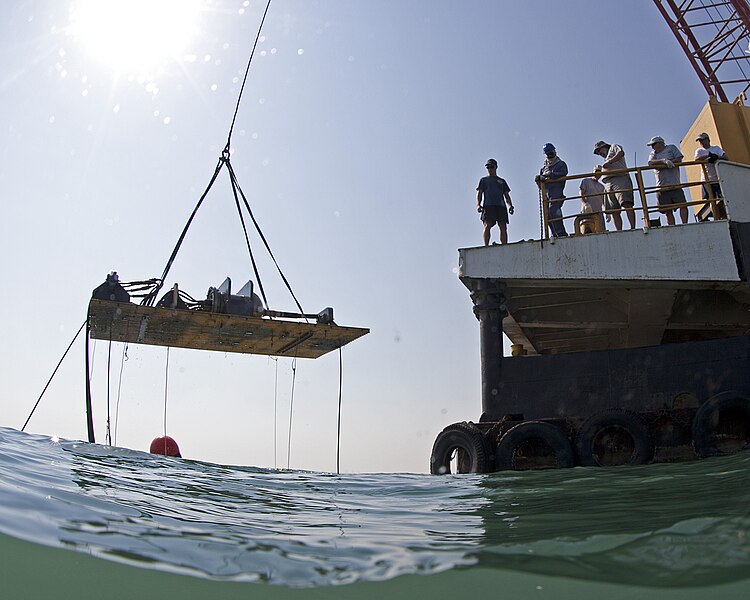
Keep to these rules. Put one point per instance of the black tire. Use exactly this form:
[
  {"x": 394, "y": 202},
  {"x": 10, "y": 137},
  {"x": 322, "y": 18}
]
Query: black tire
[
  {"x": 473, "y": 452},
  {"x": 613, "y": 437},
  {"x": 707, "y": 423},
  {"x": 539, "y": 436}
]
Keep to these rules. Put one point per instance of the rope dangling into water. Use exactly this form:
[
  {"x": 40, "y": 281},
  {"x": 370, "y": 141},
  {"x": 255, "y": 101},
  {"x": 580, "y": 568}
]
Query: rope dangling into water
[
  {"x": 338, "y": 428},
  {"x": 119, "y": 388},
  {"x": 75, "y": 337},
  {"x": 166, "y": 385},
  {"x": 275, "y": 359},
  {"x": 291, "y": 409}
]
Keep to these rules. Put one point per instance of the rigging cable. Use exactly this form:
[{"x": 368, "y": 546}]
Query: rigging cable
[
  {"x": 263, "y": 238},
  {"x": 244, "y": 79},
  {"x": 148, "y": 300},
  {"x": 244, "y": 229},
  {"x": 75, "y": 337}
]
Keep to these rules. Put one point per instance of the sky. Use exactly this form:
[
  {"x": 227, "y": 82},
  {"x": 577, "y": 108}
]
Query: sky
[{"x": 362, "y": 133}]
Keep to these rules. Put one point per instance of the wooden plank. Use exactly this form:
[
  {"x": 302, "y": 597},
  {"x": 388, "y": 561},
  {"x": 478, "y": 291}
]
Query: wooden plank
[{"x": 199, "y": 330}]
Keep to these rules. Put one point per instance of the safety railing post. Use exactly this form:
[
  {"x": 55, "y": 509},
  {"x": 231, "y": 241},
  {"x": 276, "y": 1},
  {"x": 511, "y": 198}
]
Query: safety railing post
[
  {"x": 642, "y": 194},
  {"x": 709, "y": 188},
  {"x": 545, "y": 210}
]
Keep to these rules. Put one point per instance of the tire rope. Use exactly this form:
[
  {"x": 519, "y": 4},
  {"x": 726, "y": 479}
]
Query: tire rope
[{"x": 338, "y": 426}]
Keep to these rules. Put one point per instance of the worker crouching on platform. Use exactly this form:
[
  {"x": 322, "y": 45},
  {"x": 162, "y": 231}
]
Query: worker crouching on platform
[
  {"x": 493, "y": 194},
  {"x": 553, "y": 168}
]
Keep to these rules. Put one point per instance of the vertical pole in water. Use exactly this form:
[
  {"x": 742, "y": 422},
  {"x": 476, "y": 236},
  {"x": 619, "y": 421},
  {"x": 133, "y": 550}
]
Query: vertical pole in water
[
  {"x": 490, "y": 308},
  {"x": 89, "y": 415}
]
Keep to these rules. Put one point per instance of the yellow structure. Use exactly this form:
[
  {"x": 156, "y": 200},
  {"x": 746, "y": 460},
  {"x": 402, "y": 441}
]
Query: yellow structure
[{"x": 728, "y": 126}]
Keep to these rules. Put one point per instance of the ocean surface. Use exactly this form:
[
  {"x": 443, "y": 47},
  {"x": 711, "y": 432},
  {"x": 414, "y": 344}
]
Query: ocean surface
[{"x": 83, "y": 520}]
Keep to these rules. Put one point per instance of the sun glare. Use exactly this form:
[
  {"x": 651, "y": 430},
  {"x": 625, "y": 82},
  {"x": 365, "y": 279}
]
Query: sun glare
[{"x": 134, "y": 36}]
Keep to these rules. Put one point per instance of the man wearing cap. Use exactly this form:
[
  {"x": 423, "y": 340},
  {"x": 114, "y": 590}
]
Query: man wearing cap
[
  {"x": 709, "y": 154},
  {"x": 663, "y": 157},
  {"x": 619, "y": 186},
  {"x": 553, "y": 168},
  {"x": 493, "y": 194}
]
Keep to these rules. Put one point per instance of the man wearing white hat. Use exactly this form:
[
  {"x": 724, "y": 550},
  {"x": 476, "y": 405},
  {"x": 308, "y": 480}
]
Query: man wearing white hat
[
  {"x": 662, "y": 158},
  {"x": 710, "y": 154}
]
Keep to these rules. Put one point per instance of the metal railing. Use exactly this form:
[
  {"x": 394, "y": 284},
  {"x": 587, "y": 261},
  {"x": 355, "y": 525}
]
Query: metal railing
[{"x": 641, "y": 193}]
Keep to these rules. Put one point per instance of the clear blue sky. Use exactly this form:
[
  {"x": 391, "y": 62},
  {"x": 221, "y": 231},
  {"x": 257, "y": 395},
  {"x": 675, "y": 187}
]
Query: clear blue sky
[{"x": 362, "y": 135}]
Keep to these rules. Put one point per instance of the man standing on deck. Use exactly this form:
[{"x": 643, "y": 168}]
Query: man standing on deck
[
  {"x": 619, "y": 186},
  {"x": 553, "y": 168},
  {"x": 663, "y": 157},
  {"x": 493, "y": 194},
  {"x": 710, "y": 154}
]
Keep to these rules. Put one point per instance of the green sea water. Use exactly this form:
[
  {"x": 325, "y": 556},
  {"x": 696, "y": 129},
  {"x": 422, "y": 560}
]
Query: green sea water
[{"x": 88, "y": 521}]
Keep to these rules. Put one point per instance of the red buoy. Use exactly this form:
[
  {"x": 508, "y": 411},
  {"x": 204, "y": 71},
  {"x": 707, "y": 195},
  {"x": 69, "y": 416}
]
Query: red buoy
[{"x": 166, "y": 446}]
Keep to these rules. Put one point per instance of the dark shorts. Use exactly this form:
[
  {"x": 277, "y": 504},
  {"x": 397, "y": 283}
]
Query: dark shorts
[
  {"x": 495, "y": 214},
  {"x": 668, "y": 197},
  {"x": 715, "y": 188}
]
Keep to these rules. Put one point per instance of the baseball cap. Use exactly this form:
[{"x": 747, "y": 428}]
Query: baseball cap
[
  {"x": 491, "y": 162},
  {"x": 600, "y": 144},
  {"x": 702, "y": 136},
  {"x": 547, "y": 148},
  {"x": 655, "y": 140}
]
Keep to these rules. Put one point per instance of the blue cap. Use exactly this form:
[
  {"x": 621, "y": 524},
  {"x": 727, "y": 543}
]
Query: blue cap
[{"x": 548, "y": 148}]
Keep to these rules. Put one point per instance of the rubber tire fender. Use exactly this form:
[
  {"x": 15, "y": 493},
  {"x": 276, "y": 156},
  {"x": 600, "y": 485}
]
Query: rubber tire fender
[
  {"x": 619, "y": 417},
  {"x": 550, "y": 434},
  {"x": 461, "y": 436},
  {"x": 708, "y": 412}
]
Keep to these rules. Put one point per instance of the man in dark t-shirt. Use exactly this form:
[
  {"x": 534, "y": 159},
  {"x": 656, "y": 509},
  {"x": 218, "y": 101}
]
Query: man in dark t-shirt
[{"x": 493, "y": 194}]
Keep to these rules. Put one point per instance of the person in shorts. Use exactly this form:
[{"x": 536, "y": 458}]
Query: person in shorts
[
  {"x": 493, "y": 194},
  {"x": 663, "y": 157},
  {"x": 710, "y": 154},
  {"x": 619, "y": 186}
]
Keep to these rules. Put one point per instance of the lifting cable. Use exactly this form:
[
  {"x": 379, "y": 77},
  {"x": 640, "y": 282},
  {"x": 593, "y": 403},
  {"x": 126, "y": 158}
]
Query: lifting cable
[
  {"x": 75, "y": 337},
  {"x": 224, "y": 160}
]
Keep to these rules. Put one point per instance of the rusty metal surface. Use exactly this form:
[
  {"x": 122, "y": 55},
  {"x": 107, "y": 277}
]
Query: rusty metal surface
[{"x": 135, "y": 324}]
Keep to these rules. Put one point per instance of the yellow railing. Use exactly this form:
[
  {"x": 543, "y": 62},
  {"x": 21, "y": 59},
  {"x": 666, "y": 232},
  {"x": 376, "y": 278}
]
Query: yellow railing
[{"x": 640, "y": 204}]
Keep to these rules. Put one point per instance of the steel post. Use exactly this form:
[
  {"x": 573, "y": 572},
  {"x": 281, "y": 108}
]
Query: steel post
[{"x": 489, "y": 308}]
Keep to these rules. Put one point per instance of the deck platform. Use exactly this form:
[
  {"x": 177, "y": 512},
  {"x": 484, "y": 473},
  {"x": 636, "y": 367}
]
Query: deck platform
[{"x": 199, "y": 330}]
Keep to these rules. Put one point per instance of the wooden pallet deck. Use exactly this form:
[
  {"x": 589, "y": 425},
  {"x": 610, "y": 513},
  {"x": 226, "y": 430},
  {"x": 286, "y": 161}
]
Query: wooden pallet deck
[{"x": 136, "y": 324}]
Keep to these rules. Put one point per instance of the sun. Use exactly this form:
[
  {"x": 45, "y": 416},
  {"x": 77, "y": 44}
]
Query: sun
[{"x": 134, "y": 36}]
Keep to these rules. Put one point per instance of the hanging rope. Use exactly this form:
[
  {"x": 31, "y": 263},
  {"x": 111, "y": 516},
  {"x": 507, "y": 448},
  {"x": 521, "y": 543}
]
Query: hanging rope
[
  {"x": 62, "y": 358},
  {"x": 166, "y": 385},
  {"x": 244, "y": 79},
  {"x": 119, "y": 387},
  {"x": 291, "y": 408},
  {"x": 108, "y": 436},
  {"x": 338, "y": 427},
  {"x": 275, "y": 396}
]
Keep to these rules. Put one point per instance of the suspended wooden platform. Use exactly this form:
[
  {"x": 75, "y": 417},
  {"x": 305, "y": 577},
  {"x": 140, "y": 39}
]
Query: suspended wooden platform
[{"x": 202, "y": 330}]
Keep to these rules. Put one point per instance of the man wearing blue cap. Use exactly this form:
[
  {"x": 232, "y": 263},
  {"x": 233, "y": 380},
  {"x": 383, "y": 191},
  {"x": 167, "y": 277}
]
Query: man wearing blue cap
[
  {"x": 493, "y": 194},
  {"x": 553, "y": 168}
]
